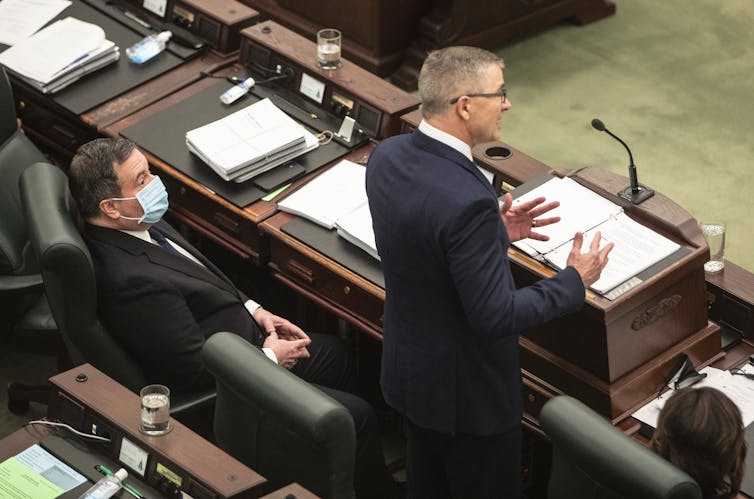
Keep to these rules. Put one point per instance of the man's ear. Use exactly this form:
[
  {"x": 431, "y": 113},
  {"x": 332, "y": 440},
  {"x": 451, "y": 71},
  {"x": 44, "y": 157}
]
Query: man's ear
[
  {"x": 462, "y": 109},
  {"x": 109, "y": 209}
]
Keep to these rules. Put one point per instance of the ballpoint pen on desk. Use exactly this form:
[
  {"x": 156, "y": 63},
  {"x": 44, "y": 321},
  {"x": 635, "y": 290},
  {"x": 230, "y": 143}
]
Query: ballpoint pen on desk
[{"x": 137, "y": 19}]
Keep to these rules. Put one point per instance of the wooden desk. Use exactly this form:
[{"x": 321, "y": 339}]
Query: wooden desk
[
  {"x": 60, "y": 131},
  {"x": 618, "y": 351},
  {"x": 234, "y": 226}
]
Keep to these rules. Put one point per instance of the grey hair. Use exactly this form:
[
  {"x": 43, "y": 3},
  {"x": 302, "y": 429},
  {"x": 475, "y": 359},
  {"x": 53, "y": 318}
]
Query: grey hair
[
  {"x": 450, "y": 72},
  {"x": 92, "y": 176}
]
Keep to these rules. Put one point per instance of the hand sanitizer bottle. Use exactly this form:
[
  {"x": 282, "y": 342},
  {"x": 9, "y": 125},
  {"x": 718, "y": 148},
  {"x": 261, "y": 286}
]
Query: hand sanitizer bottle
[
  {"x": 106, "y": 486},
  {"x": 150, "y": 46}
]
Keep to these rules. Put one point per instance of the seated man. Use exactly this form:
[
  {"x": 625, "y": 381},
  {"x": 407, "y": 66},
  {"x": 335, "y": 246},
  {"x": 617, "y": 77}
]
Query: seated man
[
  {"x": 700, "y": 431},
  {"x": 161, "y": 298}
]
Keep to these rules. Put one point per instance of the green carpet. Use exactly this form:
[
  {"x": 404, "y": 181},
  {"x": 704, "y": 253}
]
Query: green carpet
[{"x": 672, "y": 79}]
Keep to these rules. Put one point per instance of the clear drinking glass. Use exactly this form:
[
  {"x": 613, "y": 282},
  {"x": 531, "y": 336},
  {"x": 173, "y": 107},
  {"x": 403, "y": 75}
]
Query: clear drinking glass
[
  {"x": 155, "y": 410},
  {"x": 714, "y": 233},
  {"x": 328, "y": 48}
]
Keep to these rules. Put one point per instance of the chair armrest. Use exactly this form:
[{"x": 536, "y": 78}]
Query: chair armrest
[
  {"x": 20, "y": 284},
  {"x": 187, "y": 403}
]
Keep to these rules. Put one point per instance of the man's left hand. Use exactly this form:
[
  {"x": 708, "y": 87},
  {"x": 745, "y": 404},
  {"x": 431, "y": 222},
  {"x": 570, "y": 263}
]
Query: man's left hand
[
  {"x": 522, "y": 220},
  {"x": 284, "y": 328}
]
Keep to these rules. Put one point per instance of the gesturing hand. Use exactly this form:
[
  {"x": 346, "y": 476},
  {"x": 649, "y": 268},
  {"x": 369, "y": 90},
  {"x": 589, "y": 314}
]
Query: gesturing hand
[
  {"x": 520, "y": 220},
  {"x": 589, "y": 265}
]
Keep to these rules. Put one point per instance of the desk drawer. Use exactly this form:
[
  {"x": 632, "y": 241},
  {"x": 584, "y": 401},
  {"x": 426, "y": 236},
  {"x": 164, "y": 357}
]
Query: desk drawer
[
  {"x": 330, "y": 290},
  {"x": 205, "y": 215},
  {"x": 58, "y": 130}
]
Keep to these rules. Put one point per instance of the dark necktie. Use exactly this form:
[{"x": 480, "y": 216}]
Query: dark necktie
[{"x": 163, "y": 241}]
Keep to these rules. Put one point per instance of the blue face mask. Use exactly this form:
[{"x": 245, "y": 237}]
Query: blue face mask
[{"x": 153, "y": 200}]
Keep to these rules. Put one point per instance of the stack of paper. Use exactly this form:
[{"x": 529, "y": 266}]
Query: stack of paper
[
  {"x": 581, "y": 210},
  {"x": 60, "y": 54},
  {"x": 356, "y": 228},
  {"x": 337, "y": 199},
  {"x": 250, "y": 141}
]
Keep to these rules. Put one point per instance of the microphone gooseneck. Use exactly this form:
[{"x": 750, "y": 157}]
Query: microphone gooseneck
[{"x": 635, "y": 193}]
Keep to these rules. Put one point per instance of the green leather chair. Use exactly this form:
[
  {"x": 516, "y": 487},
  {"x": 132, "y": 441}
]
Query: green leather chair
[
  {"x": 23, "y": 308},
  {"x": 592, "y": 459},
  {"x": 71, "y": 286},
  {"x": 279, "y": 425}
]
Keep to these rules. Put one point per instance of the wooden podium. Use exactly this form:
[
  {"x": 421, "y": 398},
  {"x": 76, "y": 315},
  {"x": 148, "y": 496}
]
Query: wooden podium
[{"x": 616, "y": 354}]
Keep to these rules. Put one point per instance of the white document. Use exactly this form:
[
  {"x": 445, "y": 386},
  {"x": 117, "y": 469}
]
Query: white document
[
  {"x": 36, "y": 474},
  {"x": 581, "y": 210},
  {"x": 336, "y": 192},
  {"x": 19, "y": 19},
  {"x": 739, "y": 389},
  {"x": 636, "y": 248},
  {"x": 356, "y": 228},
  {"x": 250, "y": 137},
  {"x": 60, "y": 47}
]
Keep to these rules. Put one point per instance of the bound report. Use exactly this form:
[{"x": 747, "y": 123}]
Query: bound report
[
  {"x": 250, "y": 141},
  {"x": 60, "y": 54},
  {"x": 581, "y": 210},
  {"x": 337, "y": 199}
]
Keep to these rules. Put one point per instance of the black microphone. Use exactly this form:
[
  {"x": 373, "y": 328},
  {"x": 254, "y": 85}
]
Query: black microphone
[{"x": 636, "y": 192}]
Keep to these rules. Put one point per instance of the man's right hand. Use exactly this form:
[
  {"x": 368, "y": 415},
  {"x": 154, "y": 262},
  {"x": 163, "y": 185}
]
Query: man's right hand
[
  {"x": 589, "y": 265},
  {"x": 287, "y": 352}
]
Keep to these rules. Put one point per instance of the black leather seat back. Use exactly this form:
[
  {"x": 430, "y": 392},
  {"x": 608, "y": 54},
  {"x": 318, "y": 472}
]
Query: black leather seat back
[
  {"x": 279, "y": 425},
  {"x": 68, "y": 273},
  {"x": 594, "y": 460}
]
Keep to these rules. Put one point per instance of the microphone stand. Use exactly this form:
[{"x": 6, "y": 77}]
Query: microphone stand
[{"x": 635, "y": 193}]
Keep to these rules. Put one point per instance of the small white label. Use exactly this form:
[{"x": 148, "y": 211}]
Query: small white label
[
  {"x": 314, "y": 89},
  {"x": 132, "y": 456},
  {"x": 156, "y": 6}
]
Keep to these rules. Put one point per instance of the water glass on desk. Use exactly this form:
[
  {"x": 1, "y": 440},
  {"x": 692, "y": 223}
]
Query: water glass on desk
[
  {"x": 328, "y": 48},
  {"x": 155, "y": 410},
  {"x": 714, "y": 233}
]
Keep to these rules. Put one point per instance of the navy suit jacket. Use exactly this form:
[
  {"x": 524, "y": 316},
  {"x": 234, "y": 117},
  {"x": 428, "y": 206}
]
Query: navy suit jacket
[
  {"x": 161, "y": 306},
  {"x": 452, "y": 311}
]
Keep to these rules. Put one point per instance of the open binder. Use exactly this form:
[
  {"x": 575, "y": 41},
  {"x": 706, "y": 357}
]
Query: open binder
[
  {"x": 637, "y": 247},
  {"x": 337, "y": 199}
]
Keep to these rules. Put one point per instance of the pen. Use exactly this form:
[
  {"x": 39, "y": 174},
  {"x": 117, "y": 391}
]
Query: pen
[{"x": 137, "y": 19}]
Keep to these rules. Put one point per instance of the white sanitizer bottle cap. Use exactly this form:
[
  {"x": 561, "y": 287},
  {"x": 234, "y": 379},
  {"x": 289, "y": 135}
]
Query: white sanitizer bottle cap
[
  {"x": 121, "y": 474},
  {"x": 165, "y": 36}
]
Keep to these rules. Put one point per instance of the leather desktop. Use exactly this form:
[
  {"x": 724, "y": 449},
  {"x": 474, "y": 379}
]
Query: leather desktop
[
  {"x": 329, "y": 243},
  {"x": 104, "y": 84},
  {"x": 164, "y": 136}
]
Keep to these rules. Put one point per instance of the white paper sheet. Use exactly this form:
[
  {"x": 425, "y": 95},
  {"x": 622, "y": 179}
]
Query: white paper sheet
[
  {"x": 19, "y": 19},
  {"x": 58, "y": 47},
  {"x": 739, "y": 388},
  {"x": 336, "y": 192}
]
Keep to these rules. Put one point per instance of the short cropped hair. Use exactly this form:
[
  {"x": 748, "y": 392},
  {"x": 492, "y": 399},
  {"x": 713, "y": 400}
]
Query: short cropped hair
[
  {"x": 700, "y": 430},
  {"x": 450, "y": 72},
  {"x": 92, "y": 175}
]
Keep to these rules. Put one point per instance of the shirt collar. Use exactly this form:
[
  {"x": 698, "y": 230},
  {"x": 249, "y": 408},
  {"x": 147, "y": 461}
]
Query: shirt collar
[
  {"x": 446, "y": 139},
  {"x": 453, "y": 142},
  {"x": 141, "y": 234}
]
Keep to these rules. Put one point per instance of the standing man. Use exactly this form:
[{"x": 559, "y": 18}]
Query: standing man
[{"x": 452, "y": 311}]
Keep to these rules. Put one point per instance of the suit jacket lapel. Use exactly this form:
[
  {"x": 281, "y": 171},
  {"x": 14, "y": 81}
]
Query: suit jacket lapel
[
  {"x": 159, "y": 256},
  {"x": 176, "y": 237},
  {"x": 437, "y": 148}
]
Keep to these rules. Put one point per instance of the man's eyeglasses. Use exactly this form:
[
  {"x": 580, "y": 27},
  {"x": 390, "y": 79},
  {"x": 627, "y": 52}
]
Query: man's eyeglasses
[{"x": 503, "y": 94}]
